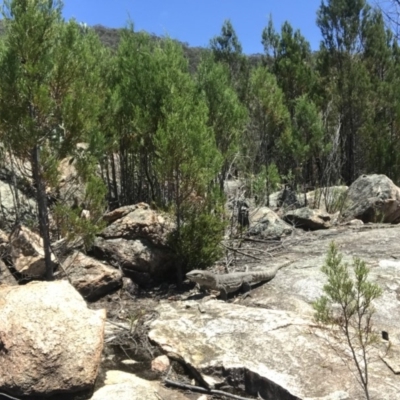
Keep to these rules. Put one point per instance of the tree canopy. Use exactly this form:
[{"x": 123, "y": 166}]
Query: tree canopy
[{"x": 167, "y": 125}]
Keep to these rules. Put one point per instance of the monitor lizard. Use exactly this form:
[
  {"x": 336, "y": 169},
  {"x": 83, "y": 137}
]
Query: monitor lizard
[{"x": 229, "y": 283}]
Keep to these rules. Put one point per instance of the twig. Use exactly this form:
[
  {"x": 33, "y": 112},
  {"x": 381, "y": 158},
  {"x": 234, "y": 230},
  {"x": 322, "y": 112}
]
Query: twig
[
  {"x": 241, "y": 252},
  {"x": 248, "y": 239},
  {"x": 119, "y": 326},
  {"x": 158, "y": 396},
  {"x": 260, "y": 251},
  {"x": 8, "y": 396},
  {"x": 203, "y": 390}
]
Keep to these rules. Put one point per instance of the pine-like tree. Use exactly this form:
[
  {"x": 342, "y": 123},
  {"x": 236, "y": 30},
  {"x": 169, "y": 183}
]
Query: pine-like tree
[{"x": 48, "y": 97}]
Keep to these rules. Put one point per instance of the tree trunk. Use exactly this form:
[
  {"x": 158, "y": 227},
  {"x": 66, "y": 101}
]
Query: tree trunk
[
  {"x": 42, "y": 207},
  {"x": 114, "y": 180}
]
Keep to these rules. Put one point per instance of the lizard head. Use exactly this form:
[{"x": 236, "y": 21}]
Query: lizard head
[{"x": 200, "y": 277}]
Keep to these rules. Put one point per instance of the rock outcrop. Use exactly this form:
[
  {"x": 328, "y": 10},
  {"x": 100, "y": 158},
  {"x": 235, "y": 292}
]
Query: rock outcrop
[
  {"x": 121, "y": 385},
  {"x": 373, "y": 198},
  {"x": 138, "y": 221},
  {"x": 266, "y": 223},
  {"x": 6, "y": 277},
  {"x": 92, "y": 278},
  {"x": 136, "y": 241},
  {"x": 270, "y": 343},
  {"x": 4, "y": 245},
  {"x": 50, "y": 342},
  {"x": 27, "y": 254},
  {"x": 308, "y": 219},
  {"x": 328, "y": 199},
  {"x": 27, "y": 206}
]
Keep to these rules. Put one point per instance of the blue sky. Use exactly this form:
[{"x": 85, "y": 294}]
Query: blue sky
[{"x": 197, "y": 21}]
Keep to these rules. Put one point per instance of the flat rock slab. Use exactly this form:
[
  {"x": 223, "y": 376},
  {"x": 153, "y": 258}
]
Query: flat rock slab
[
  {"x": 50, "y": 342},
  {"x": 287, "y": 354}
]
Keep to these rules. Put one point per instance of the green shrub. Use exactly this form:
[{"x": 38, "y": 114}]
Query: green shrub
[
  {"x": 197, "y": 244},
  {"x": 354, "y": 297}
]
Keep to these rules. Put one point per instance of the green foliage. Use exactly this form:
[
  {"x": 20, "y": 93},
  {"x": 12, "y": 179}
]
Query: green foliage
[
  {"x": 290, "y": 59},
  {"x": 265, "y": 182},
  {"x": 187, "y": 156},
  {"x": 167, "y": 137},
  {"x": 290, "y": 55},
  {"x": 226, "y": 115},
  {"x": 71, "y": 223},
  {"x": 72, "y": 226},
  {"x": 308, "y": 130},
  {"x": 51, "y": 174},
  {"x": 159, "y": 127},
  {"x": 335, "y": 200},
  {"x": 167, "y": 148},
  {"x": 197, "y": 245},
  {"x": 346, "y": 82},
  {"x": 309, "y": 142},
  {"x": 273, "y": 178},
  {"x": 50, "y": 95},
  {"x": 227, "y": 44},
  {"x": 340, "y": 22},
  {"x": 50, "y": 86},
  {"x": 354, "y": 298},
  {"x": 227, "y": 50},
  {"x": 269, "y": 134}
]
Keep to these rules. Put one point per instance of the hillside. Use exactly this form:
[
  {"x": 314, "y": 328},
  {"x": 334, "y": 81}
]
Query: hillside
[{"x": 110, "y": 38}]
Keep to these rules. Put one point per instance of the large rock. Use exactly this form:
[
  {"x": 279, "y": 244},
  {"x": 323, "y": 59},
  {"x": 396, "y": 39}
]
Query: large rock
[
  {"x": 27, "y": 252},
  {"x": 121, "y": 385},
  {"x": 6, "y": 277},
  {"x": 234, "y": 188},
  {"x": 289, "y": 199},
  {"x": 50, "y": 341},
  {"x": 71, "y": 187},
  {"x": 136, "y": 242},
  {"x": 329, "y": 199},
  {"x": 119, "y": 213},
  {"x": 274, "y": 345},
  {"x": 280, "y": 353},
  {"x": 4, "y": 246},
  {"x": 139, "y": 259},
  {"x": 90, "y": 277},
  {"x": 373, "y": 198},
  {"x": 308, "y": 219},
  {"x": 27, "y": 209},
  {"x": 140, "y": 222},
  {"x": 266, "y": 223}
]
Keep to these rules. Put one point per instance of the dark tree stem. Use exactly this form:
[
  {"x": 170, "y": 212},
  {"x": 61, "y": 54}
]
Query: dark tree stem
[{"x": 42, "y": 208}]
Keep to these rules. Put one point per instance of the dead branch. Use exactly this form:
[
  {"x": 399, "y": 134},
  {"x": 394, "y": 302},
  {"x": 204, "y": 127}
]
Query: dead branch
[
  {"x": 203, "y": 390},
  {"x": 241, "y": 252},
  {"x": 8, "y": 396},
  {"x": 247, "y": 239}
]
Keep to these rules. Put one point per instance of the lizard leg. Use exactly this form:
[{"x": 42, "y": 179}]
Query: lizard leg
[
  {"x": 223, "y": 294},
  {"x": 246, "y": 288}
]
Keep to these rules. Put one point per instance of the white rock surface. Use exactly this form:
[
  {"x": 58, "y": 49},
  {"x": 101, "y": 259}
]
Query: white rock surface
[
  {"x": 274, "y": 337},
  {"x": 92, "y": 278},
  {"x": 27, "y": 252},
  {"x": 124, "y": 386},
  {"x": 50, "y": 342}
]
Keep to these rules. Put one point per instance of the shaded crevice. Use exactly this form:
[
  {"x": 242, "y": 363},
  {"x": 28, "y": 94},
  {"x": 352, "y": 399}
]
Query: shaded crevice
[{"x": 243, "y": 382}]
